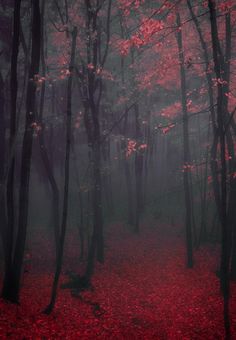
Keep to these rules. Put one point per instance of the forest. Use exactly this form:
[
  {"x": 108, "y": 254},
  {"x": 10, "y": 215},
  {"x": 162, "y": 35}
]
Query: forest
[{"x": 118, "y": 169}]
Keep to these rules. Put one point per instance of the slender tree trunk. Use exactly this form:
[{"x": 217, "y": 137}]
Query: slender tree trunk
[
  {"x": 14, "y": 278},
  {"x": 97, "y": 242},
  {"x": 11, "y": 182},
  {"x": 106, "y": 178},
  {"x": 92, "y": 98},
  {"x": 51, "y": 305},
  {"x": 187, "y": 192},
  {"x": 81, "y": 224},
  {"x": 42, "y": 148},
  {"x": 3, "y": 218},
  {"x": 128, "y": 177},
  {"x": 233, "y": 256},
  {"x": 138, "y": 172},
  {"x": 219, "y": 69},
  {"x": 147, "y": 156},
  {"x": 231, "y": 218},
  {"x": 203, "y": 227},
  {"x": 128, "y": 181},
  {"x": 213, "y": 151},
  {"x": 97, "y": 200}
]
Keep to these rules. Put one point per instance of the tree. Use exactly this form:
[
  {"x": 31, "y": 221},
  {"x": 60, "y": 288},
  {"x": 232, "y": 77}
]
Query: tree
[
  {"x": 8, "y": 240},
  {"x": 42, "y": 147},
  {"x": 187, "y": 193},
  {"x": 219, "y": 66},
  {"x": 12, "y": 282},
  {"x": 92, "y": 94},
  {"x": 50, "y": 307}
]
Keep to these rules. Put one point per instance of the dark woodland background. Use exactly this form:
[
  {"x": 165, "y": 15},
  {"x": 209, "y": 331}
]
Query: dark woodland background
[{"x": 117, "y": 169}]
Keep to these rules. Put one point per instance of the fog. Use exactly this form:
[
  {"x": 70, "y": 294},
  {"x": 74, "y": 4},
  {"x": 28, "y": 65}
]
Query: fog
[{"x": 117, "y": 169}]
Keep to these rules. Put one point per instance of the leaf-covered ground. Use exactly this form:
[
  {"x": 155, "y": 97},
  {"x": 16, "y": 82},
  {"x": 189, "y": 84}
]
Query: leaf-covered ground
[{"x": 143, "y": 291}]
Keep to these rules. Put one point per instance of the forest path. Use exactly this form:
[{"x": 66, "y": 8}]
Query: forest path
[{"x": 143, "y": 291}]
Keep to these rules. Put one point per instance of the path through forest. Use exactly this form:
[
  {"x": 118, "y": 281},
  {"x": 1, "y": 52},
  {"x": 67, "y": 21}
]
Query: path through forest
[{"x": 143, "y": 291}]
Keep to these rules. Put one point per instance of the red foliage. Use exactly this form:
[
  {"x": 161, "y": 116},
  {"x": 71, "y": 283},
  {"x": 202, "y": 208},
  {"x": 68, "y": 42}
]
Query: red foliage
[{"x": 143, "y": 291}]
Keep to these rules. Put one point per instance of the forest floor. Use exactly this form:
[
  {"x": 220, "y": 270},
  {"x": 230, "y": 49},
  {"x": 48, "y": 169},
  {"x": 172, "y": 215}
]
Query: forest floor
[{"x": 143, "y": 291}]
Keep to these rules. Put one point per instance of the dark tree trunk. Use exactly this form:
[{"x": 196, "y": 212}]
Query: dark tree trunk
[
  {"x": 11, "y": 182},
  {"x": 213, "y": 151},
  {"x": 81, "y": 224},
  {"x": 128, "y": 177},
  {"x": 3, "y": 218},
  {"x": 231, "y": 213},
  {"x": 128, "y": 182},
  {"x": 233, "y": 256},
  {"x": 92, "y": 107},
  {"x": 203, "y": 227},
  {"x": 97, "y": 242},
  {"x": 92, "y": 92},
  {"x": 138, "y": 171},
  {"x": 13, "y": 285},
  {"x": 51, "y": 305},
  {"x": 187, "y": 192},
  {"x": 127, "y": 171},
  {"x": 106, "y": 178},
  {"x": 148, "y": 140},
  {"x": 54, "y": 187},
  {"x": 42, "y": 148},
  {"x": 97, "y": 189},
  {"x": 221, "y": 110}
]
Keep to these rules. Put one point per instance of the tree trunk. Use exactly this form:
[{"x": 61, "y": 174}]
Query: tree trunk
[
  {"x": 128, "y": 181},
  {"x": 213, "y": 151},
  {"x": 219, "y": 69},
  {"x": 187, "y": 192},
  {"x": 81, "y": 224},
  {"x": 11, "y": 180},
  {"x": 97, "y": 199},
  {"x": 3, "y": 218},
  {"x": 42, "y": 148},
  {"x": 13, "y": 285},
  {"x": 51, "y": 305},
  {"x": 138, "y": 171}
]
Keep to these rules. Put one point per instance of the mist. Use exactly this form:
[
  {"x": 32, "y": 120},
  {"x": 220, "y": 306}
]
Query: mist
[{"x": 117, "y": 169}]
